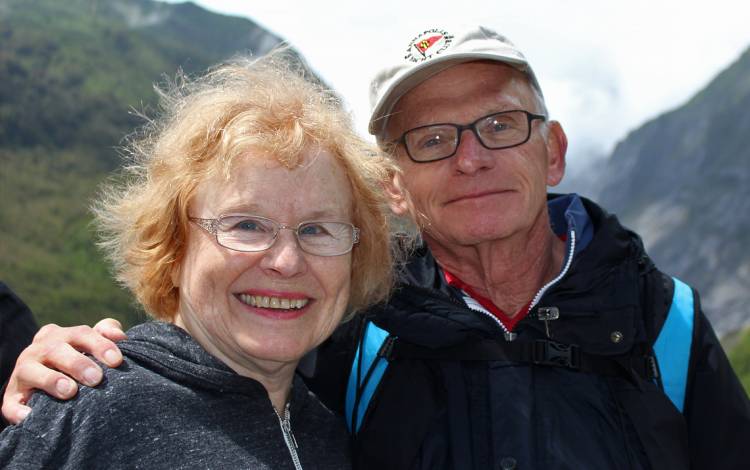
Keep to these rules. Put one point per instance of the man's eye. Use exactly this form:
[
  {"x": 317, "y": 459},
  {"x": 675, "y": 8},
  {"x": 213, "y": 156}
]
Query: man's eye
[
  {"x": 498, "y": 126},
  {"x": 432, "y": 140},
  {"x": 501, "y": 124},
  {"x": 436, "y": 140}
]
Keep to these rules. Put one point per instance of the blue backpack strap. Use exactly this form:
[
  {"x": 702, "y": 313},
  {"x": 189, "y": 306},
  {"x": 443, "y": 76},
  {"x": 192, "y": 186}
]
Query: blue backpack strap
[
  {"x": 672, "y": 347},
  {"x": 367, "y": 370}
]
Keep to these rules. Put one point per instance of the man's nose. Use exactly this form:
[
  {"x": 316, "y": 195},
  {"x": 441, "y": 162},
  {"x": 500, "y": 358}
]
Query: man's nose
[{"x": 471, "y": 156}]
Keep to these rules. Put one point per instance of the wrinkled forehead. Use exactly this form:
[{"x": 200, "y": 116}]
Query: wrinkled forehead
[
  {"x": 460, "y": 94},
  {"x": 262, "y": 157},
  {"x": 255, "y": 178}
]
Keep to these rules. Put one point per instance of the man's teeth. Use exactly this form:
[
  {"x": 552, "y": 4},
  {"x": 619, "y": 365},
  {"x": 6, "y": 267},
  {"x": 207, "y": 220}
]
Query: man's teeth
[{"x": 272, "y": 302}]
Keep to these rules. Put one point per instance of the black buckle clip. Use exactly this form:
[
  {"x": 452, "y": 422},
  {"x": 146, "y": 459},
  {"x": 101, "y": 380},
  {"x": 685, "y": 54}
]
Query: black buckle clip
[
  {"x": 652, "y": 369},
  {"x": 386, "y": 349},
  {"x": 552, "y": 353}
]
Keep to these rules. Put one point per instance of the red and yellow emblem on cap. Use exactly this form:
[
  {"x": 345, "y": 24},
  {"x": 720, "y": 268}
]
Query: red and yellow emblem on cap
[{"x": 428, "y": 44}]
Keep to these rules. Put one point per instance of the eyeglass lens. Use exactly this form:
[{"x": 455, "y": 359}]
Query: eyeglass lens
[
  {"x": 500, "y": 130},
  {"x": 251, "y": 233}
]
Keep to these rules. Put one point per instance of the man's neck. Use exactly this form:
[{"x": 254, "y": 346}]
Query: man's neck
[{"x": 509, "y": 271}]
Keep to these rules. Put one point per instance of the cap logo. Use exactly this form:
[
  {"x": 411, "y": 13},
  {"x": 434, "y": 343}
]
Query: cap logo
[{"x": 427, "y": 44}]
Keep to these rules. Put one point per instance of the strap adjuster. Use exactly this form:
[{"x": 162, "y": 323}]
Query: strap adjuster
[
  {"x": 386, "y": 349},
  {"x": 652, "y": 369},
  {"x": 552, "y": 353}
]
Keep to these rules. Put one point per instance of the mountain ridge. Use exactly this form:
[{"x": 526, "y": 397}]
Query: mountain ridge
[
  {"x": 682, "y": 180},
  {"x": 76, "y": 75}
]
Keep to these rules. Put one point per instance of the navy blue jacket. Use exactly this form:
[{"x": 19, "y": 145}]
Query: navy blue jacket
[{"x": 442, "y": 414}]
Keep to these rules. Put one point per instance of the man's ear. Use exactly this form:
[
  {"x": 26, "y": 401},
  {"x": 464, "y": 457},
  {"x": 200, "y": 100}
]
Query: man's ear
[
  {"x": 398, "y": 196},
  {"x": 557, "y": 146}
]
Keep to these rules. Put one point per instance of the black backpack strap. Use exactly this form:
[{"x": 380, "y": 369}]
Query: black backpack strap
[
  {"x": 541, "y": 352},
  {"x": 368, "y": 367},
  {"x": 670, "y": 304},
  {"x": 673, "y": 345}
]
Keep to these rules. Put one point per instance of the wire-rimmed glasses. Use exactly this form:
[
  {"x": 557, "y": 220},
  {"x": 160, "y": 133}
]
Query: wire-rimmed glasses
[{"x": 250, "y": 233}]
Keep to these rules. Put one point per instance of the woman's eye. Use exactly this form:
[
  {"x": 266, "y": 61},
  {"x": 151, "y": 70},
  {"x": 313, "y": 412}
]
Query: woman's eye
[
  {"x": 312, "y": 229},
  {"x": 247, "y": 225}
]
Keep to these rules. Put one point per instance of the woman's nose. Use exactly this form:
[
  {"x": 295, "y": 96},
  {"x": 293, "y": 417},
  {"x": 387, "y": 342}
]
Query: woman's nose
[{"x": 285, "y": 257}]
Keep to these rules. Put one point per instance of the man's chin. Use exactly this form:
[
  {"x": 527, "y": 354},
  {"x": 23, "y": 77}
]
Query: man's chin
[{"x": 468, "y": 234}]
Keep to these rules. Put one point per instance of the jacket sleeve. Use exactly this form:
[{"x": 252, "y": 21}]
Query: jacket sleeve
[
  {"x": 36, "y": 442},
  {"x": 717, "y": 409},
  {"x": 17, "y": 329}
]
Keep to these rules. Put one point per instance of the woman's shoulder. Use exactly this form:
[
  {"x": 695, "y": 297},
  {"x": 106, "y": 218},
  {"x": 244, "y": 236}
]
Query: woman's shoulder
[
  {"x": 94, "y": 419},
  {"x": 134, "y": 384},
  {"x": 118, "y": 384}
]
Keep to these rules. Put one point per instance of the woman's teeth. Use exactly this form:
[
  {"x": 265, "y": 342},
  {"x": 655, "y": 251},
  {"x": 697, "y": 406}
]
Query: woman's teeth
[{"x": 272, "y": 302}]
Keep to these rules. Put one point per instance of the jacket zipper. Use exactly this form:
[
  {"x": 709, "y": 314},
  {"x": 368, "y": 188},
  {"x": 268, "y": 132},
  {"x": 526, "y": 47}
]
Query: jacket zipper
[
  {"x": 543, "y": 290},
  {"x": 509, "y": 335},
  {"x": 477, "y": 307},
  {"x": 286, "y": 430}
]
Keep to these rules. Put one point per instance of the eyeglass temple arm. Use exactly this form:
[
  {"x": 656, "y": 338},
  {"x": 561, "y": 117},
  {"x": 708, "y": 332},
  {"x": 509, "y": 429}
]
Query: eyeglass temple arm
[{"x": 208, "y": 225}]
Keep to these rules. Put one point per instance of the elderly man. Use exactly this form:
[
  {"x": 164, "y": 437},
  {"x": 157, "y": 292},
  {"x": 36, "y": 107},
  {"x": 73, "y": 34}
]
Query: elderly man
[{"x": 529, "y": 330}]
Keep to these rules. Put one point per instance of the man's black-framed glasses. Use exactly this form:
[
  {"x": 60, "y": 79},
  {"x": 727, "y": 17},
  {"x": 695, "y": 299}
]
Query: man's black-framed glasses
[
  {"x": 495, "y": 131},
  {"x": 250, "y": 233}
]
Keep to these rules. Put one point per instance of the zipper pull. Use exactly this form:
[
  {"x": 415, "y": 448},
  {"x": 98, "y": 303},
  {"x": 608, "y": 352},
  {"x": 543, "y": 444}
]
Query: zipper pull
[
  {"x": 287, "y": 423},
  {"x": 546, "y": 314}
]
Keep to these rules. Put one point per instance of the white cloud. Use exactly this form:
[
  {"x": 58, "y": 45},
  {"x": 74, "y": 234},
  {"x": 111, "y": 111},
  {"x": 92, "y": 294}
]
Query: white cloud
[{"x": 605, "y": 67}]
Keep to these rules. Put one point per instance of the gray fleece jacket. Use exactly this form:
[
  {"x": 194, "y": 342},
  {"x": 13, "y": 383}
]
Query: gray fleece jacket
[{"x": 171, "y": 405}]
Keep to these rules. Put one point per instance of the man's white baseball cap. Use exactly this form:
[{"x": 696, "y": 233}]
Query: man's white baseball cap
[{"x": 432, "y": 51}]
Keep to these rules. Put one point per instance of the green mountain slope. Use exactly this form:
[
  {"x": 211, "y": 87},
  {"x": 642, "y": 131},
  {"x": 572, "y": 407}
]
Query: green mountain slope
[
  {"x": 739, "y": 356},
  {"x": 70, "y": 75}
]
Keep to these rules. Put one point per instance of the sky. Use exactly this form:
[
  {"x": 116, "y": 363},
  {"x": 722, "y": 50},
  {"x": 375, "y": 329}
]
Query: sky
[{"x": 605, "y": 67}]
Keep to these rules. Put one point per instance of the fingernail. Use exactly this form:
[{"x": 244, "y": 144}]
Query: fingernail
[
  {"x": 92, "y": 376},
  {"x": 22, "y": 413},
  {"x": 63, "y": 386},
  {"x": 111, "y": 357}
]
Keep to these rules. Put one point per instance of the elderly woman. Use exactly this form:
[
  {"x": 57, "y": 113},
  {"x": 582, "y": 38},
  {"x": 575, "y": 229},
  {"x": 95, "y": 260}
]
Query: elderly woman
[{"x": 250, "y": 221}]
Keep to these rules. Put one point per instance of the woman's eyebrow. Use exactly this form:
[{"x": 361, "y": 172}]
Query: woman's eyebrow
[{"x": 332, "y": 213}]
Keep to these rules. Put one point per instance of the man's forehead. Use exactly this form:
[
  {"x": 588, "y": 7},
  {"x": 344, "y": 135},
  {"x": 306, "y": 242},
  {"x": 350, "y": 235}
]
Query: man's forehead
[{"x": 461, "y": 92}]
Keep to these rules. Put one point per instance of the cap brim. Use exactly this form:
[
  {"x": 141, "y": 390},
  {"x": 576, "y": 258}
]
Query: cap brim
[{"x": 420, "y": 73}]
